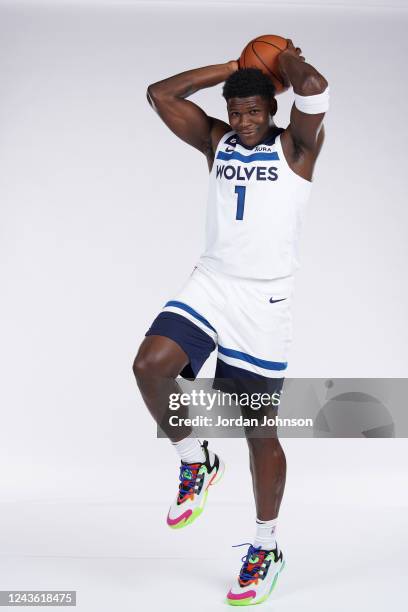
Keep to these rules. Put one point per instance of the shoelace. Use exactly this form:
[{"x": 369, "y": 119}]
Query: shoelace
[
  {"x": 253, "y": 551},
  {"x": 188, "y": 482}
]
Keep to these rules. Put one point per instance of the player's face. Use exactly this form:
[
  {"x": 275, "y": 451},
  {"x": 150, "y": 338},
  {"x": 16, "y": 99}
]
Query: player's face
[{"x": 251, "y": 118}]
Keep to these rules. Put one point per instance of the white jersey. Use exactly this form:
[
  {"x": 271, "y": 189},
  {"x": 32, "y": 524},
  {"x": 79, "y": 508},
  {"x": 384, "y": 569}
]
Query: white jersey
[{"x": 254, "y": 211}]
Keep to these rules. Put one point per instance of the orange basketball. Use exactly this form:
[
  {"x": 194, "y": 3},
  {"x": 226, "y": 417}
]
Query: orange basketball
[{"x": 262, "y": 52}]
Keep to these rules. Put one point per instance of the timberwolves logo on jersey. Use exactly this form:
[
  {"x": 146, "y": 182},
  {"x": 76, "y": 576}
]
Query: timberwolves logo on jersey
[{"x": 241, "y": 167}]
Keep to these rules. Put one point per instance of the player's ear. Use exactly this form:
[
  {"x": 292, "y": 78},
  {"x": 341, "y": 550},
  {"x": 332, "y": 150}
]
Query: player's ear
[{"x": 273, "y": 105}]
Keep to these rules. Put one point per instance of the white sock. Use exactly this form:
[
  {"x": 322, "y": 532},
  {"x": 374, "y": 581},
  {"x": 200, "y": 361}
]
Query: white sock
[
  {"x": 189, "y": 450},
  {"x": 265, "y": 534}
]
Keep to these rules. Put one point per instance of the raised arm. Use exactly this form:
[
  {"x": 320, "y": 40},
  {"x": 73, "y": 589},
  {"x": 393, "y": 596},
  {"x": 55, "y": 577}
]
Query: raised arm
[
  {"x": 187, "y": 120},
  {"x": 305, "y": 129}
]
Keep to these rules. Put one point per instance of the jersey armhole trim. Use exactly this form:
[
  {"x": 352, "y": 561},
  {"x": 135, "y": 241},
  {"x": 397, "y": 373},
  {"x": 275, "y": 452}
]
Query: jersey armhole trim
[
  {"x": 221, "y": 141},
  {"x": 280, "y": 151}
]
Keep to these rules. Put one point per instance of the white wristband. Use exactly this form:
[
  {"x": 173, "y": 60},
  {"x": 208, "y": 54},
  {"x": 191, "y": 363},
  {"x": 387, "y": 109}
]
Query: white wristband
[{"x": 319, "y": 103}]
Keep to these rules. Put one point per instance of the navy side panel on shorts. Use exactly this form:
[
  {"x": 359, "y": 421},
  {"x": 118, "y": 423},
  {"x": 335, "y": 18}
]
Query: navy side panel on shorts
[
  {"x": 231, "y": 379},
  {"x": 194, "y": 341}
]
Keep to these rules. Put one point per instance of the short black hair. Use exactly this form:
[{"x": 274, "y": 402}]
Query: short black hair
[{"x": 247, "y": 82}]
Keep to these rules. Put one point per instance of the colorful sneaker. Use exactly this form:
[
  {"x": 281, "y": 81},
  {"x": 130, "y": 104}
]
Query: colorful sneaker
[
  {"x": 257, "y": 577},
  {"x": 195, "y": 478}
]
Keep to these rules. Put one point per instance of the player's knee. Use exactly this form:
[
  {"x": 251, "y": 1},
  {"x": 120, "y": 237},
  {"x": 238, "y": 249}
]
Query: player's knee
[
  {"x": 142, "y": 366},
  {"x": 148, "y": 365},
  {"x": 138, "y": 367}
]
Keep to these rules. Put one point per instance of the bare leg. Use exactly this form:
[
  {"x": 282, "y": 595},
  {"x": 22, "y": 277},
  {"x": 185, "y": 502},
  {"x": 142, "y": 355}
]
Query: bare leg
[
  {"x": 268, "y": 470},
  {"x": 157, "y": 364}
]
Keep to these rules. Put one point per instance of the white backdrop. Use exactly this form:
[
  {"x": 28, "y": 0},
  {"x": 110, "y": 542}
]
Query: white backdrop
[{"x": 102, "y": 217}]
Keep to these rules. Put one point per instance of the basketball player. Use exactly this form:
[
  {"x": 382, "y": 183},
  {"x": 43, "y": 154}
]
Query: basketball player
[{"x": 238, "y": 297}]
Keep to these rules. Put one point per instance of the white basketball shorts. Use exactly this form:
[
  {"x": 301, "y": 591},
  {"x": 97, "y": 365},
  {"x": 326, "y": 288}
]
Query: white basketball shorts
[{"x": 248, "y": 321}]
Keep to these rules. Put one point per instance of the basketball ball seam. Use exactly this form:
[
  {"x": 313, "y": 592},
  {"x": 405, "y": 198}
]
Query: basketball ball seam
[
  {"x": 266, "y": 42},
  {"x": 268, "y": 69}
]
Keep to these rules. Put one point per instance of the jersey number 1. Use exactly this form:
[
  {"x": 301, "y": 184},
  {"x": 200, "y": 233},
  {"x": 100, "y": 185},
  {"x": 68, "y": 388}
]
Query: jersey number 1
[{"x": 240, "y": 191}]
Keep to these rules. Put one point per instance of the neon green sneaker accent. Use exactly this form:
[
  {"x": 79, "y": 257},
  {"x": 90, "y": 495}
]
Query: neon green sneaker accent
[
  {"x": 187, "y": 474},
  {"x": 240, "y": 602},
  {"x": 249, "y": 601},
  {"x": 202, "y": 470}
]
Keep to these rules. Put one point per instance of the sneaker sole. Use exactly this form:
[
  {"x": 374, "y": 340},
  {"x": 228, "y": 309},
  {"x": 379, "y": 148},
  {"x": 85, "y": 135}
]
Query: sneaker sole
[
  {"x": 197, "y": 511},
  {"x": 251, "y": 602}
]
